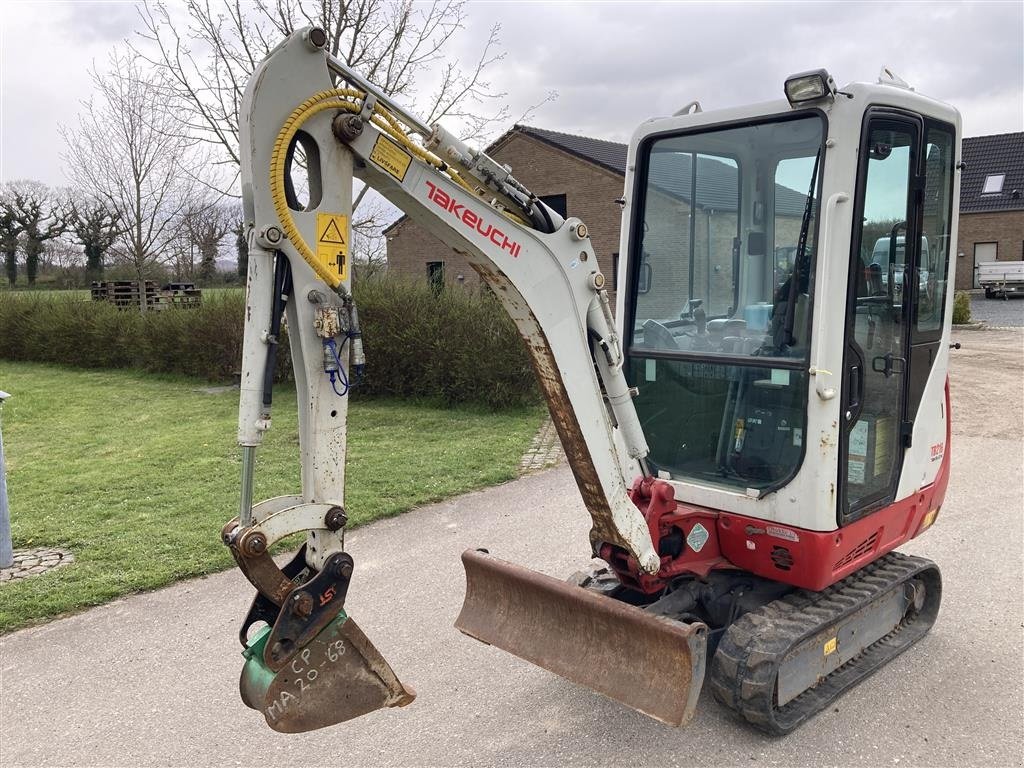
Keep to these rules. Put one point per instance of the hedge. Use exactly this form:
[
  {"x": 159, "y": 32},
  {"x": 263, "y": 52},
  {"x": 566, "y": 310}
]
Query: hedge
[
  {"x": 961, "y": 308},
  {"x": 456, "y": 347}
]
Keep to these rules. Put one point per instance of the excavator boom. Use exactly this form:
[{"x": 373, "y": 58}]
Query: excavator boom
[{"x": 544, "y": 271}]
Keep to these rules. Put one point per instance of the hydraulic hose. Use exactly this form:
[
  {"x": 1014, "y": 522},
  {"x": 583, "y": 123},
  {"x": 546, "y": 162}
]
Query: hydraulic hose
[
  {"x": 282, "y": 290},
  {"x": 348, "y": 100},
  {"x": 333, "y": 99}
]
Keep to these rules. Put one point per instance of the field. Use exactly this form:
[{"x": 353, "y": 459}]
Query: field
[{"x": 136, "y": 473}]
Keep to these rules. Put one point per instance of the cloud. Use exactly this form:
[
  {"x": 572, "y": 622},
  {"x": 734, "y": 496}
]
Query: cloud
[
  {"x": 99, "y": 22},
  {"x": 613, "y": 64},
  {"x": 616, "y": 64}
]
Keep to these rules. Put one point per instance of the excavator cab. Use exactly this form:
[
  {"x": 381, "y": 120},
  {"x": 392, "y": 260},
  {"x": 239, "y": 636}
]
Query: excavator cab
[
  {"x": 757, "y": 418},
  {"x": 719, "y": 331}
]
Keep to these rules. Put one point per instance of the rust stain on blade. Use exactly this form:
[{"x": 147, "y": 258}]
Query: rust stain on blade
[{"x": 650, "y": 663}]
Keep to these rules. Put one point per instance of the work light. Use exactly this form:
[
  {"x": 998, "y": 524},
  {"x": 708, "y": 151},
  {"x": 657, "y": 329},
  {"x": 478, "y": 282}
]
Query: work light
[{"x": 810, "y": 86}]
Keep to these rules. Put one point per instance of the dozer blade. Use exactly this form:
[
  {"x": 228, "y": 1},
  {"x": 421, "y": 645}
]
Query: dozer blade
[
  {"x": 339, "y": 675},
  {"x": 650, "y": 663}
]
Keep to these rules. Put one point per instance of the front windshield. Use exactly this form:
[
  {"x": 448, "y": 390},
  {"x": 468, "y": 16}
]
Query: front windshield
[
  {"x": 727, "y": 240},
  {"x": 720, "y": 301}
]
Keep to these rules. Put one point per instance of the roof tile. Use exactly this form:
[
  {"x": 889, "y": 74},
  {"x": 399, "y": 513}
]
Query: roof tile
[{"x": 984, "y": 156}]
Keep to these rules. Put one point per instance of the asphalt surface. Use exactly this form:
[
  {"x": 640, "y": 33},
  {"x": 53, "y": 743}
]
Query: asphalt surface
[
  {"x": 998, "y": 312},
  {"x": 151, "y": 679}
]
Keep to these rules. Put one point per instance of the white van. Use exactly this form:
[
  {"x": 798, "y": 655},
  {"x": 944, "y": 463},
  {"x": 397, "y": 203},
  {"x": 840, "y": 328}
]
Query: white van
[{"x": 880, "y": 256}]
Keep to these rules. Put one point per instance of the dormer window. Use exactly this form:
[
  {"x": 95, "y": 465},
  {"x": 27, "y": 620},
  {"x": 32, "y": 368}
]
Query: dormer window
[{"x": 993, "y": 184}]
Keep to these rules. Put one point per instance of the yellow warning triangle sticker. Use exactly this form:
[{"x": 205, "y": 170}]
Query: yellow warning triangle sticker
[{"x": 332, "y": 234}]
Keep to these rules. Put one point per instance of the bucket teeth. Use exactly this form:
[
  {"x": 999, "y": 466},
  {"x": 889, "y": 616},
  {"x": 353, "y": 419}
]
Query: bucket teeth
[
  {"x": 338, "y": 676},
  {"x": 650, "y": 663}
]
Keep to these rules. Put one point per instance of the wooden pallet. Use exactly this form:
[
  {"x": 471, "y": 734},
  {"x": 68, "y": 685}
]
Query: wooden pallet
[{"x": 127, "y": 294}]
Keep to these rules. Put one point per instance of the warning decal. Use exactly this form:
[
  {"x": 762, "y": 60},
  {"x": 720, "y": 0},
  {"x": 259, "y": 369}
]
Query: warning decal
[
  {"x": 332, "y": 243},
  {"x": 698, "y": 537},
  {"x": 391, "y": 157}
]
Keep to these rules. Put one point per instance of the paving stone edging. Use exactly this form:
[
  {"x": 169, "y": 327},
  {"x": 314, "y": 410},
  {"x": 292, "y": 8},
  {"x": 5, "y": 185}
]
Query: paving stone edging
[
  {"x": 545, "y": 450},
  {"x": 33, "y": 562}
]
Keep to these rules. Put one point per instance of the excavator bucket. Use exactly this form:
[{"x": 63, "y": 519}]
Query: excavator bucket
[
  {"x": 339, "y": 675},
  {"x": 648, "y": 662}
]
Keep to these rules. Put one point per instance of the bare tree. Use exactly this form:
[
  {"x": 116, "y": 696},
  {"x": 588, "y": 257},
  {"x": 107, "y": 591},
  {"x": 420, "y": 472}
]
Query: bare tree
[
  {"x": 63, "y": 254},
  {"x": 207, "y": 224},
  {"x": 96, "y": 227},
  {"x": 369, "y": 248},
  {"x": 65, "y": 260},
  {"x": 40, "y": 217},
  {"x": 128, "y": 149},
  {"x": 181, "y": 253},
  {"x": 241, "y": 246},
  {"x": 10, "y": 230},
  {"x": 206, "y": 62}
]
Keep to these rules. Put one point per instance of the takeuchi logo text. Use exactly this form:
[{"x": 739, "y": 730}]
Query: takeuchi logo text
[{"x": 471, "y": 220}]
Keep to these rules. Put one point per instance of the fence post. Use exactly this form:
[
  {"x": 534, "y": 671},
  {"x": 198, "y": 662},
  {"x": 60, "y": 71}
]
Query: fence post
[{"x": 6, "y": 548}]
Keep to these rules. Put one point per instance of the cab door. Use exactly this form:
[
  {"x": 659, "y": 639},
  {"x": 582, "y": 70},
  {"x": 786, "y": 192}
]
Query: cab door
[{"x": 885, "y": 249}]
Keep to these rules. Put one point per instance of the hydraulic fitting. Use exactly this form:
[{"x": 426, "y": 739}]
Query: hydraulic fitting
[
  {"x": 335, "y": 519},
  {"x": 330, "y": 357},
  {"x": 270, "y": 237},
  {"x": 347, "y": 127},
  {"x": 253, "y": 544},
  {"x": 316, "y": 38}
]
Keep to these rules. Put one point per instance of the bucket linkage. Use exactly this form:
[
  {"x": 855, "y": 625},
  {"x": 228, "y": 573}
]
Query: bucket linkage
[{"x": 310, "y": 666}]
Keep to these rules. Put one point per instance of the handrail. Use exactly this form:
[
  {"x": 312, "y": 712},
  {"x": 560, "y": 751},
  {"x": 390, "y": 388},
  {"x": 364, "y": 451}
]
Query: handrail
[{"x": 825, "y": 393}]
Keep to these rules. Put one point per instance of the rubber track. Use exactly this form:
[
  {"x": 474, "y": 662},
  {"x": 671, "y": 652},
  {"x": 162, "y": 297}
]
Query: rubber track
[{"x": 745, "y": 667}]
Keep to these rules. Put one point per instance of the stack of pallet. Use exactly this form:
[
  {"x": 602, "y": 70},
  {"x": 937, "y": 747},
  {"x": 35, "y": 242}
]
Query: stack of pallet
[{"x": 128, "y": 294}]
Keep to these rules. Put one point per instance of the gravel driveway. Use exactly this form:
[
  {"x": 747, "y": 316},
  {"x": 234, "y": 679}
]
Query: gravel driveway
[{"x": 999, "y": 313}]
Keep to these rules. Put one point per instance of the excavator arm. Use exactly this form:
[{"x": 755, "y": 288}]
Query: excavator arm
[{"x": 309, "y": 665}]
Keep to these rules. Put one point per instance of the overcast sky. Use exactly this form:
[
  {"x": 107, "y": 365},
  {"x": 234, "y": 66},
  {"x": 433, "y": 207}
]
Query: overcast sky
[{"x": 612, "y": 64}]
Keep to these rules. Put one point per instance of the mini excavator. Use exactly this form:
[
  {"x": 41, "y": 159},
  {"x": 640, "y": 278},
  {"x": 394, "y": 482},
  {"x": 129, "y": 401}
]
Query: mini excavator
[{"x": 755, "y": 424}]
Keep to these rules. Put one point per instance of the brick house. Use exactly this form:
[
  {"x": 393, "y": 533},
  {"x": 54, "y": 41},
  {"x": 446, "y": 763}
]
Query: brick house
[
  {"x": 575, "y": 175},
  {"x": 991, "y": 204}
]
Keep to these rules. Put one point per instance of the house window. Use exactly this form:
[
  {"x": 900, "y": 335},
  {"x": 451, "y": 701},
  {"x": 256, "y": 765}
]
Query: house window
[
  {"x": 557, "y": 203},
  {"x": 435, "y": 275},
  {"x": 993, "y": 184},
  {"x": 615, "y": 271}
]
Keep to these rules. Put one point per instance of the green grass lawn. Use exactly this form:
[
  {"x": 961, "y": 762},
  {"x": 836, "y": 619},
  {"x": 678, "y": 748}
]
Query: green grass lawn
[{"x": 136, "y": 474}]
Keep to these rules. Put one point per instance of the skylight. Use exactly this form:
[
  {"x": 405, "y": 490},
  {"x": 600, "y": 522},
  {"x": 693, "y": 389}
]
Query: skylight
[{"x": 993, "y": 184}]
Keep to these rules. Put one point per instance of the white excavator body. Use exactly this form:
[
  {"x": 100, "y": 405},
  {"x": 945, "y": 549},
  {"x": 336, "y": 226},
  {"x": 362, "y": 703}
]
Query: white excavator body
[{"x": 766, "y": 414}]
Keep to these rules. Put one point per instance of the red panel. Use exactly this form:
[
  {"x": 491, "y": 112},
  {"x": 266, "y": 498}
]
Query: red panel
[
  {"x": 809, "y": 559},
  {"x": 671, "y": 523},
  {"x": 821, "y": 559}
]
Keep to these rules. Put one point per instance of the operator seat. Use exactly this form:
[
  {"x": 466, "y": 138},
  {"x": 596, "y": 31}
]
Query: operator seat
[{"x": 657, "y": 336}]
